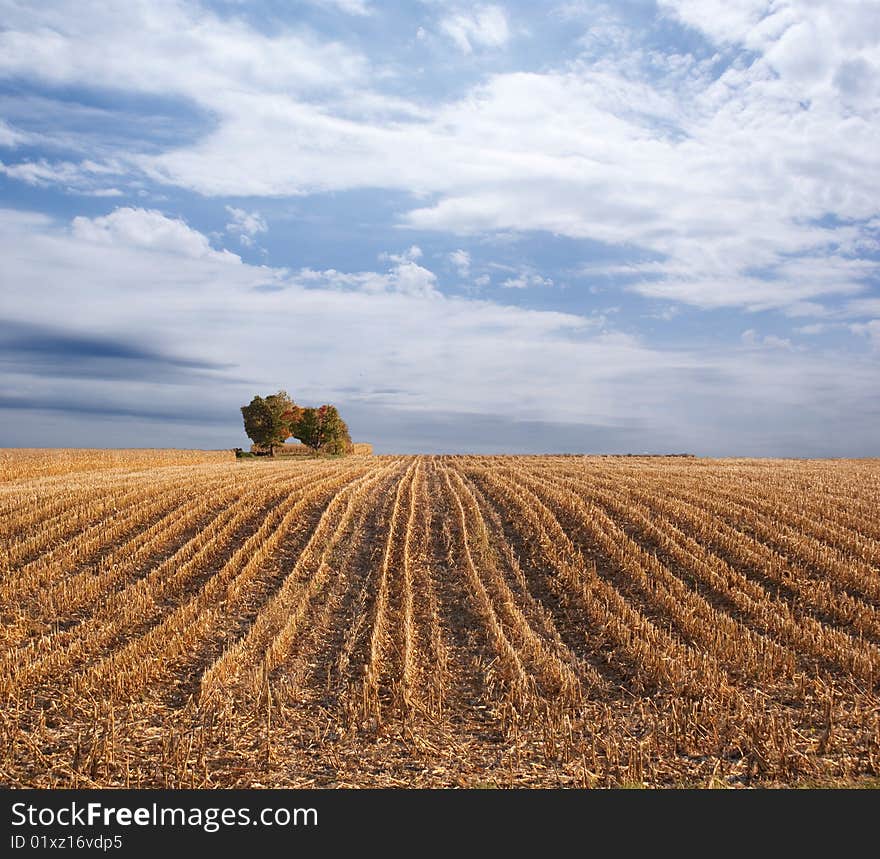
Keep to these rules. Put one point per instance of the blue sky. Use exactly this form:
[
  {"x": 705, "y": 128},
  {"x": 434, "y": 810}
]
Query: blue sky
[{"x": 587, "y": 227}]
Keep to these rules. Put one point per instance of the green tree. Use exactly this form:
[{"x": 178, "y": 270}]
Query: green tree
[
  {"x": 268, "y": 420},
  {"x": 306, "y": 429},
  {"x": 335, "y": 437}
]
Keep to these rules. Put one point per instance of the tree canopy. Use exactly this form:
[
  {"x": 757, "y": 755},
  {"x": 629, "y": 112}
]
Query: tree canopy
[
  {"x": 322, "y": 429},
  {"x": 271, "y": 420}
]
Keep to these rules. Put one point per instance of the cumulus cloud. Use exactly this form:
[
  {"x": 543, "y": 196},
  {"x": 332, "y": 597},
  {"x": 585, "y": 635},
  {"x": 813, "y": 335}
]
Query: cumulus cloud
[
  {"x": 411, "y": 254},
  {"x": 481, "y": 27},
  {"x": 245, "y": 225},
  {"x": 404, "y": 277},
  {"x": 411, "y": 279},
  {"x": 150, "y": 230},
  {"x": 720, "y": 20}
]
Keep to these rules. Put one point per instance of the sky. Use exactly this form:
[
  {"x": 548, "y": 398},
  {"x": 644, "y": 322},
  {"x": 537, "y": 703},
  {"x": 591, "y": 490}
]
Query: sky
[{"x": 514, "y": 227}]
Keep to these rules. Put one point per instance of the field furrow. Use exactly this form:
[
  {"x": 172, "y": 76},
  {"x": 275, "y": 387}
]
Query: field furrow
[
  {"x": 278, "y": 622},
  {"x": 176, "y": 638},
  {"x": 114, "y": 535},
  {"x": 553, "y": 675},
  {"x": 655, "y": 655},
  {"x": 315, "y": 668},
  {"x": 816, "y": 558},
  {"x": 827, "y": 598},
  {"x": 437, "y": 620},
  {"x": 792, "y": 631},
  {"x": 133, "y": 610}
]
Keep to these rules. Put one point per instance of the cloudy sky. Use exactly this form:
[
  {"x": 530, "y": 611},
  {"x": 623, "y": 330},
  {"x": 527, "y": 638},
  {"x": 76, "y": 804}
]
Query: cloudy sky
[{"x": 591, "y": 227}]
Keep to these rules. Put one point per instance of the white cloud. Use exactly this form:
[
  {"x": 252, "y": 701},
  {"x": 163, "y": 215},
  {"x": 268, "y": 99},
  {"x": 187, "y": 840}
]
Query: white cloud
[
  {"x": 813, "y": 329},
  {"x": 405, "y": 277},
  {"x": 84, "y": 177},
  {"x": 411, "y": 254},
  {"x": 154, "y": 280},
  {"x": 723, "y": 177},
  {"x": 461, "y": 262},
  {"x": 106, "y": 192},
  {"x": 245, "y": 225},
  {"x": 10, "y": 137},
  {"x": 825, "y": 48},
  {"x": 143, "y": 272},
  {"x": 412, "y": 279},
  {"x": 166, "y": 46},
  {"x": 751, "y": 338},
  {"x": 149, "y": 230},
  {"x": 482, "y": 27},
  {"x": 526, "y": 279},
  {"x": 720, "y": 20}
]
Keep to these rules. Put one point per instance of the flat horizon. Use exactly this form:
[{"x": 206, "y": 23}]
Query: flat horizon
[{"x": 633, "y": 454}]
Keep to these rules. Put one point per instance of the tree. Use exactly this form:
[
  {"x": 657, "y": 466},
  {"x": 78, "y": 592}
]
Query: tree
[
  {"x": 335, "y": 437},
  {"x": 323, "y": 430},
  {"x": 270, "y": 421},
  {"x": 267, "y": 421},
  {"x": 306, "y": 429}
]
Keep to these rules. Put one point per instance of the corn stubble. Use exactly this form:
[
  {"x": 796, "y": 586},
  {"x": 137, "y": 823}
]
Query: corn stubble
[{"x": 193, "y": 621}]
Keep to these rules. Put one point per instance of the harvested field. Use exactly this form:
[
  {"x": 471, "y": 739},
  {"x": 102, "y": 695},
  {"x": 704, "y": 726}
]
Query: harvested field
[
  {"x": 22, "y": 462},
  {"x": 440, "y": 621}
]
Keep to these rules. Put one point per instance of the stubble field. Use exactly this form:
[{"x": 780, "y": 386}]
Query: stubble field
[{"x": 186, "y": 620}]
